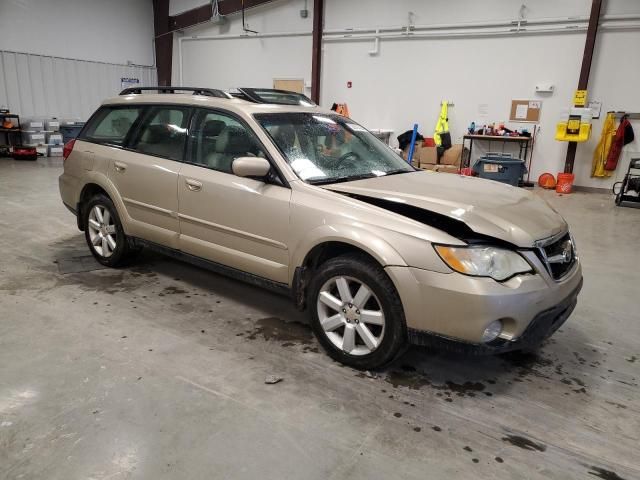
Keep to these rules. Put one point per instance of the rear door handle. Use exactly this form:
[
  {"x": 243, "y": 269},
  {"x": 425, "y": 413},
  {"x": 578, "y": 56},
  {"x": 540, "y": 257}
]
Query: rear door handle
[
  {"x": 193, "y": 185},
  {"x": 120, "y": 167}
]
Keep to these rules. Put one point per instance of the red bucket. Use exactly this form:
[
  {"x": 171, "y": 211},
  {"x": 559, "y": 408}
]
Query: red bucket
[{"x": 565, "y": 182}]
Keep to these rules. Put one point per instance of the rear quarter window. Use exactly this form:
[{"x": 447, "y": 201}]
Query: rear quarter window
[{"x": 111, "y": 125}]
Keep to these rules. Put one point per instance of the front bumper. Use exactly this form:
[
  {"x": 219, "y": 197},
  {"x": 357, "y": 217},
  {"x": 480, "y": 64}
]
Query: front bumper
[
  {"x": 543, "y": 325},
  {"x": 458, "y": 307}
]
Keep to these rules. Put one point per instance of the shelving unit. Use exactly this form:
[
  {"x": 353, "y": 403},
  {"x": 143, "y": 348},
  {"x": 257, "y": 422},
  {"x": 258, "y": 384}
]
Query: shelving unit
[{"x": 11, "y": 132}]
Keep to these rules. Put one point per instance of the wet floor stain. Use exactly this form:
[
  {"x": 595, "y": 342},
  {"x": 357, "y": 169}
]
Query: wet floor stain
[
  {"x": 276, "y": 329},
  {"x": 410, "y": 378},
  {"x": 97, "y": 281},
  {"x": 407, "y": 378},
  {"x": 631, "y": 359},
  {"x": 524, "y": 443},
  {"x": 604, "y": 474},
  {"x": 172, "y": 291}
]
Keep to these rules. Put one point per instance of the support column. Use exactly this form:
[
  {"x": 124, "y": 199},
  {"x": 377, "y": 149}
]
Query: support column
[
  {"x": 316, "y": 59},
  {"x": 587, "y": 57},
  {"x": 163, "y": 41}
]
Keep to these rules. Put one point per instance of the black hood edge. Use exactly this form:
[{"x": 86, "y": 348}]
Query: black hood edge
[{"x": 452, "y": 226}]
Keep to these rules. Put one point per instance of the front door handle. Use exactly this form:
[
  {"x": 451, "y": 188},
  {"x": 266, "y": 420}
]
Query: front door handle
[
  {"x": 193, "y": 185},
  {"x": 120, "y": 167}
]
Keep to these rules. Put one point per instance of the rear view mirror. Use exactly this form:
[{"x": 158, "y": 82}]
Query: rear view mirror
[{"x": 251, "y": 167}]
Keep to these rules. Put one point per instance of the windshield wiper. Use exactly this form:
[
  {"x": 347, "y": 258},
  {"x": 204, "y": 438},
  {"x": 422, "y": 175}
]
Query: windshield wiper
[
  {"x": 349, "y": 178},
  {"x": 396, "y": 172}
]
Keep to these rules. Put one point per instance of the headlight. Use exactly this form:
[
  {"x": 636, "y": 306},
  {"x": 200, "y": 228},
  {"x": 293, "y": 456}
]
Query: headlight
[{"x": 481, "y": 261}]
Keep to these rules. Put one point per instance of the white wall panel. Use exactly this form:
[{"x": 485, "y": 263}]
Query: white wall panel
[
  {"x": 113, "y": 31},
  {"x": 36, "y": 85},
  {"x": 249, "y": 62}
]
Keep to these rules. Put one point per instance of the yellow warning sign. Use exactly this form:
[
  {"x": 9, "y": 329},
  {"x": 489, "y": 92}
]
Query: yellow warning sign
[{"x": 580, "y": 98}]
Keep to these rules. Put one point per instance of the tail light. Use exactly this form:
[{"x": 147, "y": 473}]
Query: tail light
[{"x": 68, "y": 147}]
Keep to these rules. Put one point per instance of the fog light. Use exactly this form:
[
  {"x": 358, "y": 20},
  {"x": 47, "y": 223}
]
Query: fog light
[{"x": 492, "y": 331}]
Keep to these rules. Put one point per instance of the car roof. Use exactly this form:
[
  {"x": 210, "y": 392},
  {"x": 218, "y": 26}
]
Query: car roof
[{"x": 206, "y": 101}]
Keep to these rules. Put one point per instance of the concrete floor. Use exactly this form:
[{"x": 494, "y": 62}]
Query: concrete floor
[{"x": 157, "y": 371}]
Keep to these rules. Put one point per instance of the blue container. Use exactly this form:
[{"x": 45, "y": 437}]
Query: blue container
[
  {"x": 501, "y": 169},
  {"x": 69, "y": 132}
]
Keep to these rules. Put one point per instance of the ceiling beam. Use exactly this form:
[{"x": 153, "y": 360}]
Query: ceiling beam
[{"x": 203, "y": 13}]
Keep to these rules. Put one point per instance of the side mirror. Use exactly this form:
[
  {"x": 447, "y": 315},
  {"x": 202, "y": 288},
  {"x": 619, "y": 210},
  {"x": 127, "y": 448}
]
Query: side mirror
[{"x": 251, "y": 167}]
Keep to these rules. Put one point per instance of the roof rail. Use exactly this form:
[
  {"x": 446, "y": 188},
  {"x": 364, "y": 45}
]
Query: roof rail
[{"x": 208, "y": 92}]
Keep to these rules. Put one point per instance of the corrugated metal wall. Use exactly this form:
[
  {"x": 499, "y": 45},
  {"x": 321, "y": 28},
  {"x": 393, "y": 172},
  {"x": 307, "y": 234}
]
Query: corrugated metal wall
[{"x": 42, "y": 86}]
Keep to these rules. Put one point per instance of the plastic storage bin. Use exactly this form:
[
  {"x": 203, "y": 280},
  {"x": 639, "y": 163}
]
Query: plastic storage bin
[
  {"x": 69, "y": 132},
  {"x": 54, "y": 138},
  {"x": 35, "y": 124},
  {"x": 33, "y": 137},
  {"x": 52, "y": 124},
  {"x": 503, "y": 169},
  {"x": 55, "y": 150}
]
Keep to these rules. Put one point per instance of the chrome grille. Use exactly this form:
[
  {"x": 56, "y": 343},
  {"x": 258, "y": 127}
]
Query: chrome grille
[{"x": 558, "y": 254}]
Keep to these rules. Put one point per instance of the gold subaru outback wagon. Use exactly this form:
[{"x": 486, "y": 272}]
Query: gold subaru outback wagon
[{"x": 265, "y": 186}]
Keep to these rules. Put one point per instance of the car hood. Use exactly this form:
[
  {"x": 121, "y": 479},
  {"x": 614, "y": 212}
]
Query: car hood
[{"x": 487, "y": 207}]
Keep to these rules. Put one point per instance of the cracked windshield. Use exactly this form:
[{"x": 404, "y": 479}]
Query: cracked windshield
[{"x": 330, "y": 148}]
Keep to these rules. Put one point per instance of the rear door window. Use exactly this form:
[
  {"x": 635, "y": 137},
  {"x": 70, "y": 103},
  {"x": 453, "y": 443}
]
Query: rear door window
[
  {"x": 110, "y": 125},
  {"x": 163, "y": 132}
]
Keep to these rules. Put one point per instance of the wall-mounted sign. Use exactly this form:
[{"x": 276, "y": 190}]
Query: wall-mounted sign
[
  {"x": 129, "y": 82},
  {"x": 596, "y": 107},
  {"x": 580, "y": 98}
]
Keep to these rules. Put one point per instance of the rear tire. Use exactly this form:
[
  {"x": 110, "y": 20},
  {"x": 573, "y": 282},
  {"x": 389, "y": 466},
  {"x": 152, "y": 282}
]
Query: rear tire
[
  {"x": 104, "y": 233},
  {"x": 356, "y": 312}
]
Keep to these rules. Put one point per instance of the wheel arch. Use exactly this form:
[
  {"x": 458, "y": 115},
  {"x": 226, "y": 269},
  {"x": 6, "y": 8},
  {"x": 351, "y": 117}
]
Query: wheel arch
[
  {"x": 100, "y": 185},
  {"x": 330, "y": 241}
]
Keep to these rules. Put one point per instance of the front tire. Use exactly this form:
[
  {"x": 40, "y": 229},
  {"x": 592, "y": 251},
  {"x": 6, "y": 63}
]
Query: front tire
[
  {"x": 104, "y": 233},
  {"x": 356, "y": 312}
]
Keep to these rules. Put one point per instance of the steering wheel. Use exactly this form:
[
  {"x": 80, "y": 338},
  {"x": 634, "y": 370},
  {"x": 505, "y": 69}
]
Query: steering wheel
[{"x": 349, "y": 159}]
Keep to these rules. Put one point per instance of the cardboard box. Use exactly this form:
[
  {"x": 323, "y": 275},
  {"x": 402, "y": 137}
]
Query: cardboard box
[
  {"x": 448, "y": 168},
  {"x": 417, "y": 151},
  {"x": 451, "y": 156},
  {"x": 428, "y": 155}
]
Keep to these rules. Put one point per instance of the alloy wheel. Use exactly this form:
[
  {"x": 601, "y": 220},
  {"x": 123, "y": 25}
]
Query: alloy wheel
[
  {"x": 102, "y": 231},
  {"x": 350, "y": 315}
]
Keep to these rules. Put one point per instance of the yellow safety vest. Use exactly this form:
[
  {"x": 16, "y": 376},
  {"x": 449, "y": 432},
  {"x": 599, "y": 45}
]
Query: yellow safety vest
[
  {"x": 602, "y": 149},
  {"x": 443, "y": 122}
]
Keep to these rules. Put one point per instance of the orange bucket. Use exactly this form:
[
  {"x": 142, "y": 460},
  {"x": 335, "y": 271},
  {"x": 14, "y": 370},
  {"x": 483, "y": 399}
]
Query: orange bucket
[{"x": 565, "y": 182}]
